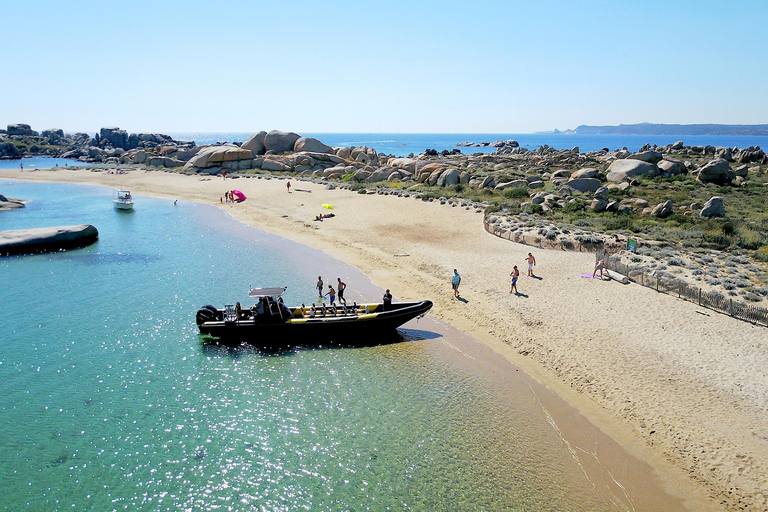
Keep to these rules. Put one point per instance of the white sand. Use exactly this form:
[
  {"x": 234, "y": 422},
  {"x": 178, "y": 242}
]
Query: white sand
[{"x": 683, "y": 388}]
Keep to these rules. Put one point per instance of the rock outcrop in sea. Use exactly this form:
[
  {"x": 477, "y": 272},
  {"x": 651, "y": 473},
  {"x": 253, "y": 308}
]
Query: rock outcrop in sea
[{"x": 36, "y": 240}]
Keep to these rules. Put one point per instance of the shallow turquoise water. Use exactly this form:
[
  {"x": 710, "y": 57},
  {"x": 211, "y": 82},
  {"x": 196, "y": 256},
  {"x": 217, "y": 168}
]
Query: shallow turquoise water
[
  {"x": 41, "y": 162},
  {"x": 109, "y": 400}
]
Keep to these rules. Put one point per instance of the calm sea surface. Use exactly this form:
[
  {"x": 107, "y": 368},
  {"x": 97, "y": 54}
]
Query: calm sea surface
[
  {"x": 110, "y": 401},
  {"x": 40, "y": 162}
]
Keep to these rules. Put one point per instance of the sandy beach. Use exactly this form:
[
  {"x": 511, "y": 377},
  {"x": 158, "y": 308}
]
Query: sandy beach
[{"x": 681, "y": 388}]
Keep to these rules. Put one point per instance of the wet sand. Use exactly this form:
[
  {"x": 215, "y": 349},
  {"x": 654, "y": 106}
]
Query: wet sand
[{"x": 661, "y": 385}]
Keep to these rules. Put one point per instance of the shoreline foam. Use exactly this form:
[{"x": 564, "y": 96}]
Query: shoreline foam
[{"x": 663, "y": 380}]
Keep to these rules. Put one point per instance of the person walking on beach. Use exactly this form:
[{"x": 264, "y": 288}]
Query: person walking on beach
[
  {"x": 600, "y": 265},
  {"x": 515, "y": 274},
  {"x": 288, "y": 185},
  {"x": 341, "y": 286},
  {"x": 455, "y": 282},
  {"x": 531, "y": 263},
  {"x": 331, "y": 294},
  {"x": 387, "y": 299},
  {"x": 319, "y": 286},
  {"x": 21, "y": 164}
]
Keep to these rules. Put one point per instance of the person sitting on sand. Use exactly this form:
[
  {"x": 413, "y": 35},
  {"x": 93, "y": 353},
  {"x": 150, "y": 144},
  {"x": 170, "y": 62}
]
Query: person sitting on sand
[{"x": 600, "y": 265}]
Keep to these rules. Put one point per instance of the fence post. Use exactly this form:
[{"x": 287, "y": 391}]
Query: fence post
[
  {"x": 699, "y": 296},
  {"x": 679, "y": 290},
  {"x": 730, "y": 307},
  {"x": 657, "y": 283}
]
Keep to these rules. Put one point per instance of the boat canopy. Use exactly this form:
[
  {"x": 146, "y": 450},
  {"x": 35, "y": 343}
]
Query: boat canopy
[{"x": 266, "y": 292}]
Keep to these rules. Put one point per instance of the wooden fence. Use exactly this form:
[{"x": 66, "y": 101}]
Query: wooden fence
[{"x": 674, "y": 286}]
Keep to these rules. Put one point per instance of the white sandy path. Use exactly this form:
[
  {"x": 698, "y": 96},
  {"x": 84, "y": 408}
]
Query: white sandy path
[{"x": 639, "y": 364}]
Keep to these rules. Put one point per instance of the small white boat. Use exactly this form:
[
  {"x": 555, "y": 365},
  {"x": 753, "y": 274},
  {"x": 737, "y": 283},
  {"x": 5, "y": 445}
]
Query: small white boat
[{"x": 123, "y": 200}]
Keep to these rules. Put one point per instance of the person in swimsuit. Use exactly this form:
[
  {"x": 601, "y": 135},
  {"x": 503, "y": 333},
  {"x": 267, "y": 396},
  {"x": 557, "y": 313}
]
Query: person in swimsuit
[
  {"x": 319, "y": 286},
  {"x": 600, "y": 265},
  {"x": 531, "y": 263},
  {"x": 515, "y": 274},
  {"x": 341, "y": 286},
  {"x": 331, "y": 294}
]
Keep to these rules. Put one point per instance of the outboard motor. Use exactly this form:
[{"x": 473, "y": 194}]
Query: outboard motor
[{"x": 207, "y": 313}]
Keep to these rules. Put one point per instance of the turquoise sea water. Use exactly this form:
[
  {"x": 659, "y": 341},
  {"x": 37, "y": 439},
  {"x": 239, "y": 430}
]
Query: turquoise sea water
[
  {"x": 109, "y": 400},
  {"x": 41, "y": 162}
]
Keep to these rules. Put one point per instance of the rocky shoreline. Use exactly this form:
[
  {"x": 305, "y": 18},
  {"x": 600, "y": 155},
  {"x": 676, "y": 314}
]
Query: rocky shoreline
[{"x": 531, "y": 186}]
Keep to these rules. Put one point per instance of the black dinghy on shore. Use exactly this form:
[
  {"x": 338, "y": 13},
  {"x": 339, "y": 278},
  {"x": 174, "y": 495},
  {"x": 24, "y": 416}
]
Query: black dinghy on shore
[{"x": 271, "y": 324}]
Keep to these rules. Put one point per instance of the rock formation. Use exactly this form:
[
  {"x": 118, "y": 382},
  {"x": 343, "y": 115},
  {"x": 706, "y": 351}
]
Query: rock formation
[{"x": 28, "y": 241}]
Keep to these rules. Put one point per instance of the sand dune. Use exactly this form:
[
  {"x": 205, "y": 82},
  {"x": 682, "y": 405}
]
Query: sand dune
[{"x": 671, "y": 382}]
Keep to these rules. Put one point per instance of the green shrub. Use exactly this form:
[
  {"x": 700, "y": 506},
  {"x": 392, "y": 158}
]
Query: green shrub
[
  {"x": 515, "y": 192},
  {"x": 362, "y": 191},
  {"x": 536, "y": 209},
  {"x": 750, "y": 240},
  {"x": 762, "y": 254},
  {"x": 623, "y": 223}
]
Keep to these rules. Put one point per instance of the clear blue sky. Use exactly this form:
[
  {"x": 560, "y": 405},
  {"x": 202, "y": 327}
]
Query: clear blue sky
[{"x": 394, "y": 66}]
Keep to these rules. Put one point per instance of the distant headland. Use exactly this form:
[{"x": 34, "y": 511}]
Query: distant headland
[{"x": 669, "y": 129}]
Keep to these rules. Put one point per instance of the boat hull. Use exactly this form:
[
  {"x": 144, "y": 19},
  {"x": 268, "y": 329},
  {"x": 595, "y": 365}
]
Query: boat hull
[
  {"x": 362, "y": 329},
  {"x": 123, "y": 206}
]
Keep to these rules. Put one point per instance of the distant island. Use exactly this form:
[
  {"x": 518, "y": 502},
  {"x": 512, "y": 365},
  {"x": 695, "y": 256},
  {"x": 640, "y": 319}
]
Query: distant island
[{"x": 669, "y": 129}]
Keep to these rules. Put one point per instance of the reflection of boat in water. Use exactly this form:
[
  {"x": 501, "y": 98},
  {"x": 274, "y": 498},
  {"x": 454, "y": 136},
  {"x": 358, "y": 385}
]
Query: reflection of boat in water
[
  {"x": 271, "y": 324},
  {"x": 123, "y": 200}
]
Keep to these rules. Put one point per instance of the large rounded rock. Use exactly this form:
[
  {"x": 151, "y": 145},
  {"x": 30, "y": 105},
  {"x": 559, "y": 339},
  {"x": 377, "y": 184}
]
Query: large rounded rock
[
  {"x": 280, "y": 142},
  {"x": 9, "y": 149},
  {"x": 669, "y": 167},
  {"x": 255, "y": 143},
  {"x": 10, "y": 203},
  {"x": 115, "y": 136},
  {"x": 422, "y": 173},
  {"x": 20, "y": 129},
  {"x": 28, "y": 241},
  {"x": 713, "y": 208},
  {"x": 449, "y": 177},
  {"x": 662, "y": 210},
  {"x": 408, "y": 164},
  {"x": 213, "y": 156},
  {"x": 274, "y": 165},
  {"x": 651, "y": 157},
  {"x": 584, "y": 184},
  {"x": 717, "y": 171},
  {"x": 621, "y": 170},
  {"x": 312, "y": 145},
  {"x": 586, "y": 172}
]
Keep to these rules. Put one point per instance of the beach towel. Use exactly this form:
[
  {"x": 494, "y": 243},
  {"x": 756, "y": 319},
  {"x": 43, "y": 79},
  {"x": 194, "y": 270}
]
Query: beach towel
[{"x": 587, "y": 275}]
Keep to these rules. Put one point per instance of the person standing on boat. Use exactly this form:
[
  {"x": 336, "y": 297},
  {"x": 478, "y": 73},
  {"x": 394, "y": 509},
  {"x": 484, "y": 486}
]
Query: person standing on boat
[
  {"x": 455, "y": 282},
  {"x": 331, "y": 294},
  {"x": 387, "y": 299},
  {"x": 319, "y": 286},
  {"x": 341, "y": 287}
]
